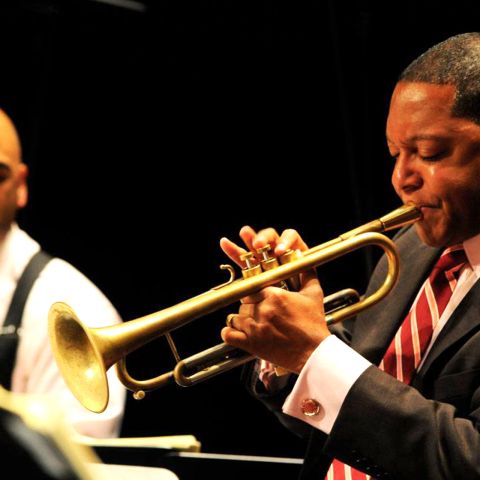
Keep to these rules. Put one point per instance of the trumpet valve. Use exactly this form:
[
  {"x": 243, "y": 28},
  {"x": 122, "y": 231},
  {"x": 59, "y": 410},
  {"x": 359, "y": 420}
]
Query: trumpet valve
[
  {"x": 291, "y": 256},
  {"x": 267, "y": 260},
  {"x": 251, "y": 267},
  {"x": 270, "y": 262}
]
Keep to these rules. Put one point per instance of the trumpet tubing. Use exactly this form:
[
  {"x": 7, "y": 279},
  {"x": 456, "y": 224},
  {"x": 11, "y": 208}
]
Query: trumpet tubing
[{"x": 85, "y": 354}]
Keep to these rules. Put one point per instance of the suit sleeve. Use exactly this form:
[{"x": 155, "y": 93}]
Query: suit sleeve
[{"x": 389, "y": 427}]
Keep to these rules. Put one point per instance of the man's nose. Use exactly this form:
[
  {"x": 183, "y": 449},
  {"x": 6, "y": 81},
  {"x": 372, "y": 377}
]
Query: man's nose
[{"x": 406, "y": 176}]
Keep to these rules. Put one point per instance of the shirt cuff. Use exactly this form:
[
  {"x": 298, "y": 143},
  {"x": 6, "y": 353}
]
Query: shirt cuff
[{"x": 324, "y": 383}]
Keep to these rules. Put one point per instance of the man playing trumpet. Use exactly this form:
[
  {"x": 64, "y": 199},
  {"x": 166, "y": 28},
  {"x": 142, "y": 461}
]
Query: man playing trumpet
[{"x": 395, "y": 394}]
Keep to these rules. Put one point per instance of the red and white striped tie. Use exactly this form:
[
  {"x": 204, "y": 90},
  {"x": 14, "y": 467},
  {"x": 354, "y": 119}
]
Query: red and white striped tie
[{"x": 404, "y": 354}]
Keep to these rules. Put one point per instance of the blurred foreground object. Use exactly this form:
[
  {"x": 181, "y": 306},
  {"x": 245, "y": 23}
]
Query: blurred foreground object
[
  {"x": 184, "y": 443},
  {"x": 37, "y": 443}
]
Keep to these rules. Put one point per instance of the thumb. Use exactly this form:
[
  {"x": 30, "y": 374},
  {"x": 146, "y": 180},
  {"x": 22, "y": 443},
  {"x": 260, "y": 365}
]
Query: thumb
[{"x": 309, "y": 284}]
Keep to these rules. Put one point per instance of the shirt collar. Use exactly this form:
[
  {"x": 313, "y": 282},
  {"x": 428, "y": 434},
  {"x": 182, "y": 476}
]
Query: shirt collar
[{"x": 472, "y": 249}]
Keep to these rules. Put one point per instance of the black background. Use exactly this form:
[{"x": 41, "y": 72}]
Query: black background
[{"x": 151, "y": 133}]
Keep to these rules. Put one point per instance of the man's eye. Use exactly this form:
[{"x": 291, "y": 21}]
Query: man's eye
[
  {"x": 433, "y": 158},
  {"x": 5, "y": 172}
]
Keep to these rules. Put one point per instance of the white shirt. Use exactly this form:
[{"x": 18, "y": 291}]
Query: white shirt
[
  {"x": 337, "y": 366},
  {"x": 35, "y": 369}
]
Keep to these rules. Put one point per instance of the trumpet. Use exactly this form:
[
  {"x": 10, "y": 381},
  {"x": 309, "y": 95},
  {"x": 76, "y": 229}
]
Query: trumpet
[{"x": 85, "y": 354}]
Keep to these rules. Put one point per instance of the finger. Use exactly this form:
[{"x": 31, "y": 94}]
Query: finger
[
  {"x": 240, "y": 322},
  {"x": 233, "y": 337},
  {"x": 230, "y": 319},
  {"x": 267, "y": 236},
  {"x": 290, "y": 240},
  {"x": 236, "y": 331},
  {"x": 232, "y": 250},
  {"x": 310, "y": 285},
  {"x": 247, "y": 309},
  {"x": 253, "y": 299},
  {"x": 248, "y": 234}
]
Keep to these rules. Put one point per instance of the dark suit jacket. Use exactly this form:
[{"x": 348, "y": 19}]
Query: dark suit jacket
[{"x": 429, "y": 430}]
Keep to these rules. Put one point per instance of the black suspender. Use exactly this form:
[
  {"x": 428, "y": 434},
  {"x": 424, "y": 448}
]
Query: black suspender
[{"x": 9, "y": 331}]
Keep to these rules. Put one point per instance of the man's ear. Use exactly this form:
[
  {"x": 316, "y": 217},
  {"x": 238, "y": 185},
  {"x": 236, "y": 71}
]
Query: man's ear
[{"x": 22, "y": 188}]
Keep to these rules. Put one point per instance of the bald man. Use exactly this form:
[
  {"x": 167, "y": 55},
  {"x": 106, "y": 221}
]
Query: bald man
[{"x": 30, "y": 281}]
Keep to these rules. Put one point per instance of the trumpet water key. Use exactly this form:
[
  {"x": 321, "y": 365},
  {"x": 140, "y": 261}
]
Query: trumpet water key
[{"x": 85, "y": 354}]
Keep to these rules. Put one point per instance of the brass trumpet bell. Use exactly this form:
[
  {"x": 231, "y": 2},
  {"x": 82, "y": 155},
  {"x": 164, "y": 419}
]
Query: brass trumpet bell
[{"x": 82, "y": 363}]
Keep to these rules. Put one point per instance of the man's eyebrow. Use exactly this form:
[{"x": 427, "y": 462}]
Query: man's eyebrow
[
  {"x": 415, "y": 138},
  {"x": 428, "y": 137}
]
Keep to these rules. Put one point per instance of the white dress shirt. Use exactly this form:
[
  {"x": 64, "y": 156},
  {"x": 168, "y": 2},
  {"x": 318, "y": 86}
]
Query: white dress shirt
[
  {"x": 35, "y": 370},
  {"x": 334, "y": 367}
]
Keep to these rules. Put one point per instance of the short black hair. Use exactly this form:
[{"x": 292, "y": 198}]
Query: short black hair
[{"x": 455, "y": 61}]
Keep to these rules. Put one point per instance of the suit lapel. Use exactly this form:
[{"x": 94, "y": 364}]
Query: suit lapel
[
  {"x": 375, "y": 328},
  {"x": 464, "y": 319}
]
